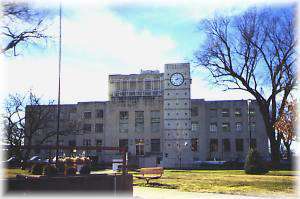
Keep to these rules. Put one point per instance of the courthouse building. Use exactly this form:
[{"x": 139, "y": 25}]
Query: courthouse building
[{"x": 153, "y": 116}]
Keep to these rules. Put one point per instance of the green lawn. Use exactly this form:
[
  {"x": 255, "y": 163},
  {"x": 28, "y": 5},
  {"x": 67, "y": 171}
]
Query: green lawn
[
  {"x": 11, "y": 173},
  {"x": 224, "y": 181},
  {"x": 213, "y": 181}
]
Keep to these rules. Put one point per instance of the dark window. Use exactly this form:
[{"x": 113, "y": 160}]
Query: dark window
[
  {"x": 123, "y": 143},
  {"x": 194, "y": 144},
  {"x": 86, "y": 142},
  {"x": 239, "y": 144},
  {"x": 72, "y": 142},
  {"x": 139, "y": 146},
  {"x": 213, "y": 145},
  {"x": 87, "y": 115},
  {"x": 87, "y": 128},
  {"x": 213, "y": 112},
  {"x": 226, "y": 145},
  {"x": 225, "y": 112},
  {"x": 194, "y": 111},
  {"x": 123, "y": 121},
  {"x": 99, "y": 113},
  {"x": 139, "y": 121},
  {"x": 99, "y": 144},
  {"x": 155, "y": 121},
  {"x": 226, "y": 127},
  {"x": 99, "y": 128},
  {"x": 155, "y": 145},
  {"x": 238, "y": 112}
]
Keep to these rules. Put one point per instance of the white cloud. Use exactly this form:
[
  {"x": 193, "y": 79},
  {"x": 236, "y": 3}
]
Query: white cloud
[{"x": 95, "y": 44}]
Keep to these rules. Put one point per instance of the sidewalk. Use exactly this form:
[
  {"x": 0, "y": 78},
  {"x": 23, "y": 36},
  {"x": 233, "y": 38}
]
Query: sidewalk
[{"x": 157, "y": 193}]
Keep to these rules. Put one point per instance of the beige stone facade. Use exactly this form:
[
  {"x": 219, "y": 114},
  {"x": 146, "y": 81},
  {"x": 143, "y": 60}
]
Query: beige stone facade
[{"x": 160, "y": 124}]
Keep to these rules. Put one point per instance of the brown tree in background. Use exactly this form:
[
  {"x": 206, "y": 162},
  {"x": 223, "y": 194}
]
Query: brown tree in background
[
  {"x": 254, "y": 52},
  {"x": 286, "y": 125}
]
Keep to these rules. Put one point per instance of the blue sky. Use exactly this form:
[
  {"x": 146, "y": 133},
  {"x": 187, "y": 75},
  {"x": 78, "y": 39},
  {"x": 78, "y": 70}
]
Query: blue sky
[{"x": 107, "y": 37}]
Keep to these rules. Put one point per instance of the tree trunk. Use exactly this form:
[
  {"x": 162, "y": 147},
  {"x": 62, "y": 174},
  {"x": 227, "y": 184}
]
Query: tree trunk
[
  {"x": 275, "y": 152},
  {"x": 288, "y": 151}
]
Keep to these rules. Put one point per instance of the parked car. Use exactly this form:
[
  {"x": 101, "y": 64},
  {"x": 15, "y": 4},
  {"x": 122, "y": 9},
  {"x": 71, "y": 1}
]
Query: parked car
[
  {"x": 12, "y": 162},
  {"x": 35, "y": 159}
]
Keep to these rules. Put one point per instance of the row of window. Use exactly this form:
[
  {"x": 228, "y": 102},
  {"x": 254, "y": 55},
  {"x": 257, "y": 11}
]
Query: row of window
[
  {"x": 226, "y": 146},
  {"x": 139, "y": 121},
  {"x": 138, "y": 85},
  {"x": 87, "y": 128},
  {"x": 225, "y": 112},
  {"x": 98, "y": 114},
  {"x": 213, "y": 127}
]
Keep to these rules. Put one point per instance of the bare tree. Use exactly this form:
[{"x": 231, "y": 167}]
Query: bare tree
[
  {"x": 26, "y": 118},
  {"x": 254, "y": 52},
  {"x": 21, "y": 25}
]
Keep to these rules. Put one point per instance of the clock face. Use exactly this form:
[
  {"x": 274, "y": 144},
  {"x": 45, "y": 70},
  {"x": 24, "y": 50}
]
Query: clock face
[{"x": 177, "y": 79}]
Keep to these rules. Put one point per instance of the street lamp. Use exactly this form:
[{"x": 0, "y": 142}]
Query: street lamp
[
  {"x": 249, "y": 122},
  {"x": 180, "y": 149}
]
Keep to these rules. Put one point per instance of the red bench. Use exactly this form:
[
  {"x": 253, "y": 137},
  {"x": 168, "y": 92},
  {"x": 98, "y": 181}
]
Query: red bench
[{"x": 151, "y": 173}]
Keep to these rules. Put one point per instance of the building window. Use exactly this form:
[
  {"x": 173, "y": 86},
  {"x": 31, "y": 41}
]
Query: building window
[
  {"x": 213, "y": 145},
  {"x": 99, "y": 113},
  {"x": 155, "y": 145},
  {"x": 239, "y": 144},
  {"x": 148, "y": 85},
  {"x": 86, "y": 142},
  {"x": 98, "y": 144},
  {"x": 225, "y": 112},
  {"x": 195, "y": 126},
  {"x": 194, "y": 111},
  {"x": 237, "y": 112},
  {"x": 139, "y": 121},
  {"x": 156, "y": 84},
  {"x": 123, "y": 121},
  {"x": 132, "y": 85},
  {"x": 252, "y": 112},
  {"x": 155, "y": 121},
  {"x": 225, "y": 127},
  {"x": 194, "y": 144},
  {"x": 238, "y": 126},
  {"x": 213, "y": 112},
  {"x": 87, "y": 128},
  {"x": 123, "y": 143},
  {"x": 99, "y": 128},
  {"x": 213, "y": 127},
  {"x": 87, "y": 115},
  {"x": 139, "y": 146},
  {"x": 226, "y": 145},
  {"x": 72, "y": 143}
]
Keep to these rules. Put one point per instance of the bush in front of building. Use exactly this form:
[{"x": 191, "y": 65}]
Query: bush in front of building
[
  {"x": 254, "y": 163},
  {"x": 50, "y": 170},
  {"x": 60, "y": 165},
  {"x": 69, "y": 171},
  {"x": 37, "y": 169},
  {"x": 85, "y": 169}
]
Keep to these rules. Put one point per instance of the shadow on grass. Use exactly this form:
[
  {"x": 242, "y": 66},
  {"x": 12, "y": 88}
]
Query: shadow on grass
[{"x": 157, "y": 185}]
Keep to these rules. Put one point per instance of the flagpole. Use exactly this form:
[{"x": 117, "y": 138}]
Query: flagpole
[{"x": 59, "y": 77}]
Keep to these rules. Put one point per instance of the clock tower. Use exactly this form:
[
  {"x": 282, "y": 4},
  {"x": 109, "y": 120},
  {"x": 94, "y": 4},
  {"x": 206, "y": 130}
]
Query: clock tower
[{"x": 177, "y": 116}]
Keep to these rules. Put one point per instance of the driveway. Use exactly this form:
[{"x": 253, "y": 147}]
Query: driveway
[{"x": 157, "y": 193}]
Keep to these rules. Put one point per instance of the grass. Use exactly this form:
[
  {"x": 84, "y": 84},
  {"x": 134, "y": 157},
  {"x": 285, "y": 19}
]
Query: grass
[
  {"x": 11, "y": 173},
  {"x": 213, "y": 181},
  {"x": 224, "y": 181}
]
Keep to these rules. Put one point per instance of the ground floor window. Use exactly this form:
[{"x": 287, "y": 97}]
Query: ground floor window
[
  {"x": 139, "y": 146},
  {"x": 213, "y": 145},
  {"x": 155, "y": 145}
]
